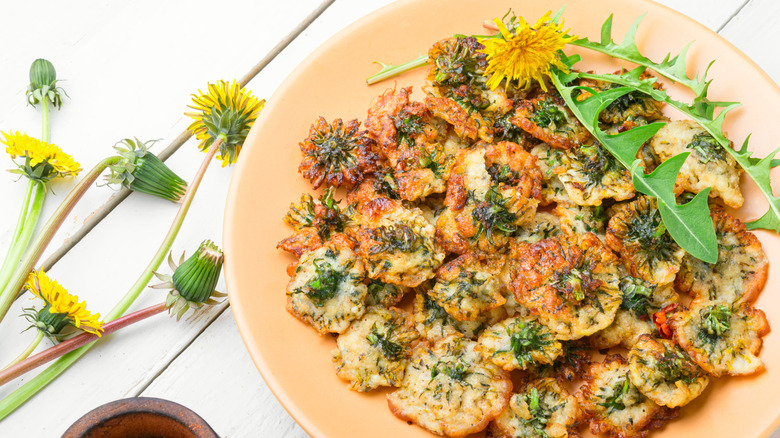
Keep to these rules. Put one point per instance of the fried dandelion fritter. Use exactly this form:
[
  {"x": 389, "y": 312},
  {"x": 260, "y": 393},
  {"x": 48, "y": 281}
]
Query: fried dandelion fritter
[
  {"x": 721, "y": 339},
  {"x": 336, "y": 154},
  {"x": 709, "y": 165},
  {"x": 468, "y": 286},
  {"x": 740, "y": 272},
  {"x": 641, "y": 299},
  {"x": 570, "y": 282},
  {"x": 547, "y": 118},
  {"x": 449, "y": 389},
  {"x": 615, "y": 406},
  {"x": 482, "y": 210},
  {"x": 433, "y": 322},
  {"x": 590, "y": 174},
  {"x": 374, "y": 350},
  {"x": 326, "y": 290},
  {"x": 518, "y": 342},
  {"x": 647, "y": 250},
  {"x": 316, "y": 222},
  {"x": 664, "y": 372},
  {"x": 457, "y": 88},
  {"x": 541, "y": 409}
]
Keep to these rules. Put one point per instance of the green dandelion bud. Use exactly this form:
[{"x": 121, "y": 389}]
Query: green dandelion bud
[
  {"x": 141, "y": 171},
  {"x": 43, "y": 84},
  {"x": 193, "y": 281}
]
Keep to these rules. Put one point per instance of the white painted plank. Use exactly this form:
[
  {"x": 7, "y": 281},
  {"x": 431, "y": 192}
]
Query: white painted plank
[
  {"x": 713, "y": 14},
  {"x": 230, "y": 388},
  {"x": 756, "y": 32},
  {"x": 130, "y": 68}
]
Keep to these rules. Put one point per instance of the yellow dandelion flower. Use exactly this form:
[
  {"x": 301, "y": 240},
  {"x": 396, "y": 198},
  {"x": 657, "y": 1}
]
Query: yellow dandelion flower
[
  {"x": 226, "y": 112},
  {"x": 525, "y": 54},
  {"x": 61, "y": 309},
  {"x": 42, "y": 161}
]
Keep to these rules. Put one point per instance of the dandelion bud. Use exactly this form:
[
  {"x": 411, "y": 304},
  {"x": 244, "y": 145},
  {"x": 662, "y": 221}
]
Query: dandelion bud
[
  {"x": 43, "y": 84},
  {"x": 193, "y": 281},
  {"x": 141, "y": 171}
]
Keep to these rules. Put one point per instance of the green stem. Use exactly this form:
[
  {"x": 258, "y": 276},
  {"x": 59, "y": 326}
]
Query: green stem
[
  {"x": 30, "y": 348},
  {"x": 388, "y": 71},
  {"x": 37, "y": 383},
  {"x": 11, "y": 258},
  {"x": 47, "y": 233},
  {"x": 45, "y": 119}
]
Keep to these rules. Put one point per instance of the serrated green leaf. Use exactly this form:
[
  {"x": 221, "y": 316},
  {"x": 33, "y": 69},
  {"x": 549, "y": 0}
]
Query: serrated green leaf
[
  {"x": 689, "y": 226},
  {"x": 684, "y": 224}
]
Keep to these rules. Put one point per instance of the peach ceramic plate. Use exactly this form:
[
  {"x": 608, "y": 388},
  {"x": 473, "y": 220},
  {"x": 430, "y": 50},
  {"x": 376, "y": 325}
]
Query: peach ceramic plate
[{"x": 294, "y": 360}]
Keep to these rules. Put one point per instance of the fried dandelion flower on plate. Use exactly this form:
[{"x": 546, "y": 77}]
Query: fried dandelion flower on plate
[{"x": 225, "y": 112}]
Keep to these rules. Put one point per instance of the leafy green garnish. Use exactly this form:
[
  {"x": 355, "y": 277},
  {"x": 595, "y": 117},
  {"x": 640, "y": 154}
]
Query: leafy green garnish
[
  {"x": 455, "y": 371},
  {"x": 493, "y": 215},
  {"x": 690, "y": 224},
  {"x": 716, "y": 320},
  {"x": 702, "y": 110},
  {"x": 389, "y": 349},
  {"x": 527, "y": 338},
  {"x": 324, "y": 284},
  {"x": 615, "y": 401}
]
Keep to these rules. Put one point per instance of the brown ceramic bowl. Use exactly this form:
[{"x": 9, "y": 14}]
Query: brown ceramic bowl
[{"x": 140, "y": 417}]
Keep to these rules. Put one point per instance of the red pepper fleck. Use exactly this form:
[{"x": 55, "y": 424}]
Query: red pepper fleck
[{"x": 660, "y": 320}]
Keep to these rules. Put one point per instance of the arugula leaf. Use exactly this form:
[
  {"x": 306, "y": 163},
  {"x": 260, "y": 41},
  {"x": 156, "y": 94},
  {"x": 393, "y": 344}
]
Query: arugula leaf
[
  {"x": 689, "y": 225},
  {"x": 702, "y": 110}
]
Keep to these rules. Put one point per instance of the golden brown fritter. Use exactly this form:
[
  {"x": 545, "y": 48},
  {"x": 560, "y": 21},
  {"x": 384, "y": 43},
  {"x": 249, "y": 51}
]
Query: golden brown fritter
[
  {"x": 468, "y": 286},
  {"x": 590, "y": 174},
  {"x": 740, "y": 272},
  {"x": 709, "y": 165},
  {"x": 541, "y": 409},
  {"x": 316, "y": 222},
  {"x": 337, "y": 154},
  {"x": 457, "y": 88},
  {"x": 434, "y": 323},
  {"x": 615, "y": 406},
  {"x": 413, "y": 141},
  {"x": 449, "y": 390},
  {"x": 398, "y": 246},
  {"x": 518, "y": 342},
  {"x": 636, "y": 232},
  {"x": 570, "y": 282},
  {"x": 547, "y": 118},
  {"x": 664, "y": 372},
  {"x": 326, "y": 290},
  {"x": 373, "y": 352},
  {"x": 641, "y": 299},
  {"x": 722, "y": 339},
  {"x": 482, "y": 211}
]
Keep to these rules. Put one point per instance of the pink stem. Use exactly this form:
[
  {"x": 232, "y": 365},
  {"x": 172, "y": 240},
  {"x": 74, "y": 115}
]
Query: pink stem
[{"x": 75, "y": 342}]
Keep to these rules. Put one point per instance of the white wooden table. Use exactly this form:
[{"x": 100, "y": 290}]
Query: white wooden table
[{"x": 129, "y": 68}]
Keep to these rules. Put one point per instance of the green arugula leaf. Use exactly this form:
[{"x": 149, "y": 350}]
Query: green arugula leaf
[{"x": 690, "y": 225}]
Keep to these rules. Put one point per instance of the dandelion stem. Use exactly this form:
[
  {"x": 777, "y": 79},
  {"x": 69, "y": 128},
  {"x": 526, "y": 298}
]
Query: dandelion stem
[
  {"x": 17, "y": 247},
  {"x": 47, "y": 233},
  {"x": 17, "y": 398},
  {"x": 45, "y": 119},
  {"x": 26, "y": 364},
  {"x": 389, "y": 71},
  {"x": 30, "y": 348}
]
